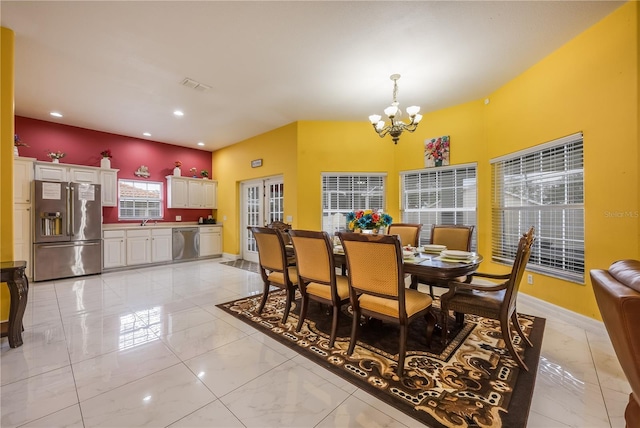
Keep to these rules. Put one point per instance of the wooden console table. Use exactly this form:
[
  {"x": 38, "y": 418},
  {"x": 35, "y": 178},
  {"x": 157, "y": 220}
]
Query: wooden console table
[{"x": 13, "y": 274}]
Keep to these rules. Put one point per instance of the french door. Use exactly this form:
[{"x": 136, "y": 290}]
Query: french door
[{"x": 262, "y": 202}]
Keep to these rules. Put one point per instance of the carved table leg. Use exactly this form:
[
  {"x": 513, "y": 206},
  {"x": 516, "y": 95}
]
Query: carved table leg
[{"x": 18, "y": 289}]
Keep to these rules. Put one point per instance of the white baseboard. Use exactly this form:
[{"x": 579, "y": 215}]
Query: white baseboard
[
  {"x": 563, "y": 314},
  {"x": 229, "y": 256}
]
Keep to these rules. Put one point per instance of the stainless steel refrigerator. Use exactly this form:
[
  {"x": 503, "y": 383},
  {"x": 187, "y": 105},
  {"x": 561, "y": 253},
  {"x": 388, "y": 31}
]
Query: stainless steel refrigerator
[{"x": 68, "y": 230}]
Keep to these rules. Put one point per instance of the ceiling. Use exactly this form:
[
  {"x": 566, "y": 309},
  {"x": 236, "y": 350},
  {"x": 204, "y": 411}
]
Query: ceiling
[{"x": 118, "y": 66}]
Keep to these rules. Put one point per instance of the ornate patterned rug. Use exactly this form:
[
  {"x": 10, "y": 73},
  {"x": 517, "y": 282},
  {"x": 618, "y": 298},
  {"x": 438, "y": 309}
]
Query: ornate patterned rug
[{"x": 472, "y": 382}]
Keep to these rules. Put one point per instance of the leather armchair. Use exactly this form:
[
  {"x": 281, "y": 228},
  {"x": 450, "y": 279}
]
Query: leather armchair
[{"x": 618, "y": 295}]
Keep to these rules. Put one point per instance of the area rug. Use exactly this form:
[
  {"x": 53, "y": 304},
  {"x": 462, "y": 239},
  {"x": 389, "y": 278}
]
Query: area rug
[
  {"x": 472, "y": 382},
  {"x": 243, "y": 264}
]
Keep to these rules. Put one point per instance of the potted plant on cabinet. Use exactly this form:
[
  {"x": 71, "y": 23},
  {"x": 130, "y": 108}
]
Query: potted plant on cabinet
[
  {"x": 205, "y": 174},
  {"x": 105, "y": 162}
]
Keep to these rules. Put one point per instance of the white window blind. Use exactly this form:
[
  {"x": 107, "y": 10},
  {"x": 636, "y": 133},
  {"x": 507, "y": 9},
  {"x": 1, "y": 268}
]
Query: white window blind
[
  {"x": 440, "y": 196},
  {"x": 542, "y": 187},
  {"x": 343, "y": 193},
  {"x": 139, "y": 199}
]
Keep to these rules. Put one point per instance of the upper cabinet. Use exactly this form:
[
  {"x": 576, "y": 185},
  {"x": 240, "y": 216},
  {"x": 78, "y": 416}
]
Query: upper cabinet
[
  {"x": 108, "y": 178},
  {"x": 185, "y": 192}
]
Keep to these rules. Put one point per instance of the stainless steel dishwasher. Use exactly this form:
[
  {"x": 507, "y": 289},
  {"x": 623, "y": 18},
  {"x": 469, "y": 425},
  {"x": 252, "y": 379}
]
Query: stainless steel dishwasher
[{"x": 186, "y": 243}]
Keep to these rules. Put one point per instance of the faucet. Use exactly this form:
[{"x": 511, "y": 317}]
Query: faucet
[{"x": 144, "y": 222}]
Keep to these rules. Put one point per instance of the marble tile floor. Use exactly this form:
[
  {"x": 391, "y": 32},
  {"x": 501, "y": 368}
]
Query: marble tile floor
[{"x": 148, "y": 347}]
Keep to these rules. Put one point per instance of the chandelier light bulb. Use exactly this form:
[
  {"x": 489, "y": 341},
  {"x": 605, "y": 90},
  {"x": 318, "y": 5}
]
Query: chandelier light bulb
[{"x": 397, "y": 126}]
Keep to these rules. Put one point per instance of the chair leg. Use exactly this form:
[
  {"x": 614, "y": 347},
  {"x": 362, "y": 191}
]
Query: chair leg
[
  {"x": 444, "y": 322},
  {"x": 431, "y": 291},
  {"x": 265, "y": 296},
  {"x": 402, "y": 350},
  {"x": 431, "y": 324},
  {"x": 303, "y": 311},
  {"x": 516, "y": 324},
  {"x": 506, "y": 335},
  {"x": 334, "y": 325},
  {"x": 355, "y": 326},
  {"x": 287, "y": 307}
]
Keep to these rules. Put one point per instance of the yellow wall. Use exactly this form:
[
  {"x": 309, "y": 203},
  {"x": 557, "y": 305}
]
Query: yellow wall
[
  {"x": 232, "y": 164},
  {"x": 588, "y": 85},
  {"x": 6, "y": 157}
]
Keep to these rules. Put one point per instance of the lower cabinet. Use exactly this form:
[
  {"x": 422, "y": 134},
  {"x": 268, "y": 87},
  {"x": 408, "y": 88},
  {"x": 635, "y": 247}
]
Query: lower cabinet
[
  {"x": 210, "y": 241},
  {"x": 146, "y": 245},
  {"x": 113, "y": 249},
  {"x": 161, "y": 245}
]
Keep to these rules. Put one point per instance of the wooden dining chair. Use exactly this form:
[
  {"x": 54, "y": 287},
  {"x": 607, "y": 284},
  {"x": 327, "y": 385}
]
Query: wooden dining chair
[
  {"x": 376, "y": 287},
  {"x": 492, "y": 300},
  {"x": 317, "y": 279},
  {"x": 273, "y": 266},
  {"x": 452, "y": 236},
  {"x": 408, "y": 233}
]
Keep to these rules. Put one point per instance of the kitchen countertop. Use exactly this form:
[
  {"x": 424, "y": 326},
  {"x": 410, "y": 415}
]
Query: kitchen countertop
[{"x": 152, "y": 225}]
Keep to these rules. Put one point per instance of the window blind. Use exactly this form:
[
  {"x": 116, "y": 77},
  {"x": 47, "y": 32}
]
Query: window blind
[
  {"x": 542, "y": 187},
  {"x": 343, "y": 193},
  {"x": 440, "y": 196},
  {"x": 139, "y": 199}
]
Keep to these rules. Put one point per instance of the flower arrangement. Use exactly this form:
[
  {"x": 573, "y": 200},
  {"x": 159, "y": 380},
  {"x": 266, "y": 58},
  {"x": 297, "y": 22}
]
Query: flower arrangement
[
  {"x": 437, "y": 149},
  {"x": 204, "y": 173},
  {"x": 56, "y": 155},
  {"x": 106, "y": 153},
  {"x": 367, "y": 219},
  {"x": 193, "y": 171},
  {"x": 17, "y": 142},
  {"x": 178, "y": 164}
]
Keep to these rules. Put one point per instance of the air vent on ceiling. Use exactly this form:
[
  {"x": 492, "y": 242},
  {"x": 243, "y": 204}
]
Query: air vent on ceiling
[{"x": 192, "y": 84}]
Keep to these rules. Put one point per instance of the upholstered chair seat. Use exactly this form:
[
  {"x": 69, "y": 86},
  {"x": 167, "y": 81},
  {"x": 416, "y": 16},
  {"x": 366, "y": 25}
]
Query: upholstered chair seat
[{"x": 415, "y": 301}]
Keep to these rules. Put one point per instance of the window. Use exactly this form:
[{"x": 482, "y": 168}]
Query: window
[
  {"x": 139, "y": 199},
  {"x": 343, "y": 193},
  {"x": 542, "y": 187},
  {"x": 445, "y": 195}
]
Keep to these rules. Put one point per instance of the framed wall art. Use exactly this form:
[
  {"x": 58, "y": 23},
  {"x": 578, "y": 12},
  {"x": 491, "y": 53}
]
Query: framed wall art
[{"x": 436, "y": 151}]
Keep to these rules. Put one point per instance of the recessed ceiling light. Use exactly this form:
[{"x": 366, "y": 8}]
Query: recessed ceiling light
[
  {"x": 201, "y": 143},
  {"x": 146, "y": 134},
  {"x": 55, "y": 114},
  {"x": 178, "y": 113}
]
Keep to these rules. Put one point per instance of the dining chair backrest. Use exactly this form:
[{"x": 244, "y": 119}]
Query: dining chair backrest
[
  {"x": 283, "y": 228},
  {"x": 519, "y": 265},
  {"x": 409, "y": 233},
  {"x": 271, "y": 251},
  {"x": 374, "y": 265},
  {"x": 454, "y": 237},
  {"x": 314, "y": 256}
]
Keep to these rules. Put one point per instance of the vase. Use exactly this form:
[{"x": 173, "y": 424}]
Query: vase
[
  {"x": 105, "y": 163},
  {"x": 177, "y": 172},
  {"x": 55, "y": 160},
  {"x": 16, "y": 153},
  {"x": 438, "y": 162}
]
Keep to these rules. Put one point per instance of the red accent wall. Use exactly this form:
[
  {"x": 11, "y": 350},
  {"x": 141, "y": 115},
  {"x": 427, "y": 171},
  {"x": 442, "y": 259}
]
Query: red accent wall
[{"x": 83, "y": 146}]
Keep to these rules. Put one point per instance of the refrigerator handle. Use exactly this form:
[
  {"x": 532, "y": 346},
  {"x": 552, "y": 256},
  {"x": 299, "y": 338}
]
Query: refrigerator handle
[{"x": 71, "y": 213}]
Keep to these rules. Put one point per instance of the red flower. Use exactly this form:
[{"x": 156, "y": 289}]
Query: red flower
[{"x": 359, "y": 214}]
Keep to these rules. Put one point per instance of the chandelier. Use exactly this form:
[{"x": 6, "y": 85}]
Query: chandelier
[{"x": 397, "y": 126}]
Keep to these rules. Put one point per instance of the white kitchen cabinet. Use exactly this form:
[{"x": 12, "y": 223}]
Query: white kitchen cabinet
[
  {"x": 22, "y": 220},
  {"x": 109, "y": 182},
  {"x": 114, "y": 249},
  {"x": 210, "y": 241},
  {"x": 210, "y": 194},
  {"x": 22, "y": 234},
  {"x": 185, "y": 192},
  {"x": 84, "y": 175},
  {"x": 22, "y": 178},
  {"x": 138, "y": 247},
  {"x": 49, "y": 171},
  {"x": 196, "y": 194},
  {"x": 177, "y": 192},
  {"x": 161, "y": 245}
]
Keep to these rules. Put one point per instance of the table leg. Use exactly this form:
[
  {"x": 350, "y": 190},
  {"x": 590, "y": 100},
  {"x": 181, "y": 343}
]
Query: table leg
[{"x": 18, "y": 289}]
